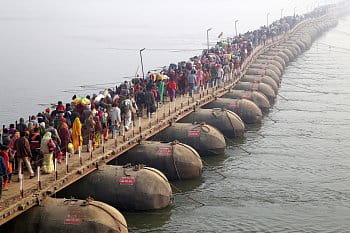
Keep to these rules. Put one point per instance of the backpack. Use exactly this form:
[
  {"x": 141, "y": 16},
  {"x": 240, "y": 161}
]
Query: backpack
[
  {"x": 67, "y": 116},
  {"x": 124, "y": 91},
  {"x": 51, "y": 145},
  {"x": 125, "y": 106},
  {"x": 140, "y": 97},
  {"x": 172, "y": 66}
]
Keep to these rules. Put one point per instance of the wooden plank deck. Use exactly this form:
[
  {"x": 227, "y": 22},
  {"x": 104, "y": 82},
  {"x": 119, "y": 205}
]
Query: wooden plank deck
[{"x": 13, "y": 204}]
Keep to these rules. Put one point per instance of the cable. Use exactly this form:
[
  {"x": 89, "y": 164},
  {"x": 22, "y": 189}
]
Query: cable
[
  {"x": 154, "y": 50},
  {"x": 346, "y": 33},
  {"x": 315, "y": 91},
  {"x": 332, "y": 46}
]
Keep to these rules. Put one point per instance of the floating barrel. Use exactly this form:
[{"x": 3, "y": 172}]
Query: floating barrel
[
  {"x": 69, "y": 215},
  {"x": 314, "y": 32},
  {"x": 274, "y": 58},
  {"x": 280, "y": 54},
  {"x": 129, "y": 188},
  {"x": 261, "y": 79},
  {"x": 310, "y": 34},
  {"x": 257, "y": 97},
  {"x": 301, "y": 44},
  {"x": 227, "y": 122},
  {"x": 285, "y": 51},
  {"x": 306, "y": 43},
  {"x": 247, "y": 110},
  {"x": 293, "y": 45},
  {"x": 261, "y": 87},
  {"x": 264, "y": 72},
  {"x": 205, "y": 139},
  {"x": 274, "y": 63},
  {"x": 290, "y": 48},
  {"x": 305, "y": 38},
  {"x": 291, "y": 52},
  {"x": 176, "y": 160},
  {"x": 297, "y": 41},
  {"x": 256, "y": 65}
]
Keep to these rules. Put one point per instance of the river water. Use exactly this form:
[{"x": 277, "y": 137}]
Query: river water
[{"x": 296, "y": 177}]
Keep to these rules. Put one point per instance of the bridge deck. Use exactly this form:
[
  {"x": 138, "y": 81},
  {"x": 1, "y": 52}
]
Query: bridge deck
[{"x": 14, "y": 202}]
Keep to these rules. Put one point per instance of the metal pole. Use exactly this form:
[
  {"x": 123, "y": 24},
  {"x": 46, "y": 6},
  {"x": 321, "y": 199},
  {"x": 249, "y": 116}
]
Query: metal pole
[
  {"x": 103, "y": 143},
  {"x": 267, "y": 20},
  {"x": 79, "y": 154},
  {"x": 208, "y": 37},
  {"x": 56, "y": 170},
  {"x": 294, "y": 10},
  {"x": 149, "y": 118},
  {"x": 132, "y": 129},
  {"x": 281, "y": 13},
  {"x": 157, "y": 116},
  {"x": 38, "y": 174},
  {"x": 67, "y": 168},
  {"x": 20, "y": 177},
  {"x": 236, "y": 27},
  {"x": 21, "y": 185},
  {"x": 143, "y": 72},
  {"x": 124, "y": 135},
  {"x": 140, "y": 127},
  {"x": 90, "y": 148}
]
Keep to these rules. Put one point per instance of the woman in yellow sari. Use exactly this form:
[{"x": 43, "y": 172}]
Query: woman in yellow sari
[
  {"x": 47, "y": 148},
  {"x": 76, "y": 134}
]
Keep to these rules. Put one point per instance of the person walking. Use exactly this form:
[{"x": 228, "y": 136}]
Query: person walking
[
  {"x": 126, "y": 107},
  {"x": 172, "y": 89},
  {"x": 4, "y": 152},
  {"x": 76, "y": 134},
  {"x": 65, "y": 137},
  {"x": 34, "y": 142},
  {"x": 24, "y": 153},
  {"x": 12, "y": 151},
  {"x": 219, "y": 75},
  {"x": 88, "y": 131},
  {"x": 199, "y": 78},
  {"x": 160, "y": 88},
  {"x": 140, "y": 101},
  {"x": 6, "y": 137},
  {"x": 150, "y": 102},
  {"x": 191, "y": 79},
  {"x": 3, "y": 173},
  {"x": 54, "y": 133},
  {"x": 98, "y": 131},
  {"x": 47, "y": 148},
  {"x": 115, "y": 118},
  {"x": 21, "y": 127}
]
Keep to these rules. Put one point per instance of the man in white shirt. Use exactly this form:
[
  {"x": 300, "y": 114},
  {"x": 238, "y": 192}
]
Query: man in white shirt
[
  {"x": 220, "y": 75},
  {"x": 114, "y": 114}
]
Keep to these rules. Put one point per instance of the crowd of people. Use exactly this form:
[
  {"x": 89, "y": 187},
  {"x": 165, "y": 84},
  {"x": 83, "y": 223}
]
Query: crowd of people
[{"x": 85, "y": 122}]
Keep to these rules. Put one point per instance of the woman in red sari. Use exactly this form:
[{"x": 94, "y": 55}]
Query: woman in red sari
[
  {"x": 65, "y": 137},
  {"x": 4, "y": 150}
]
